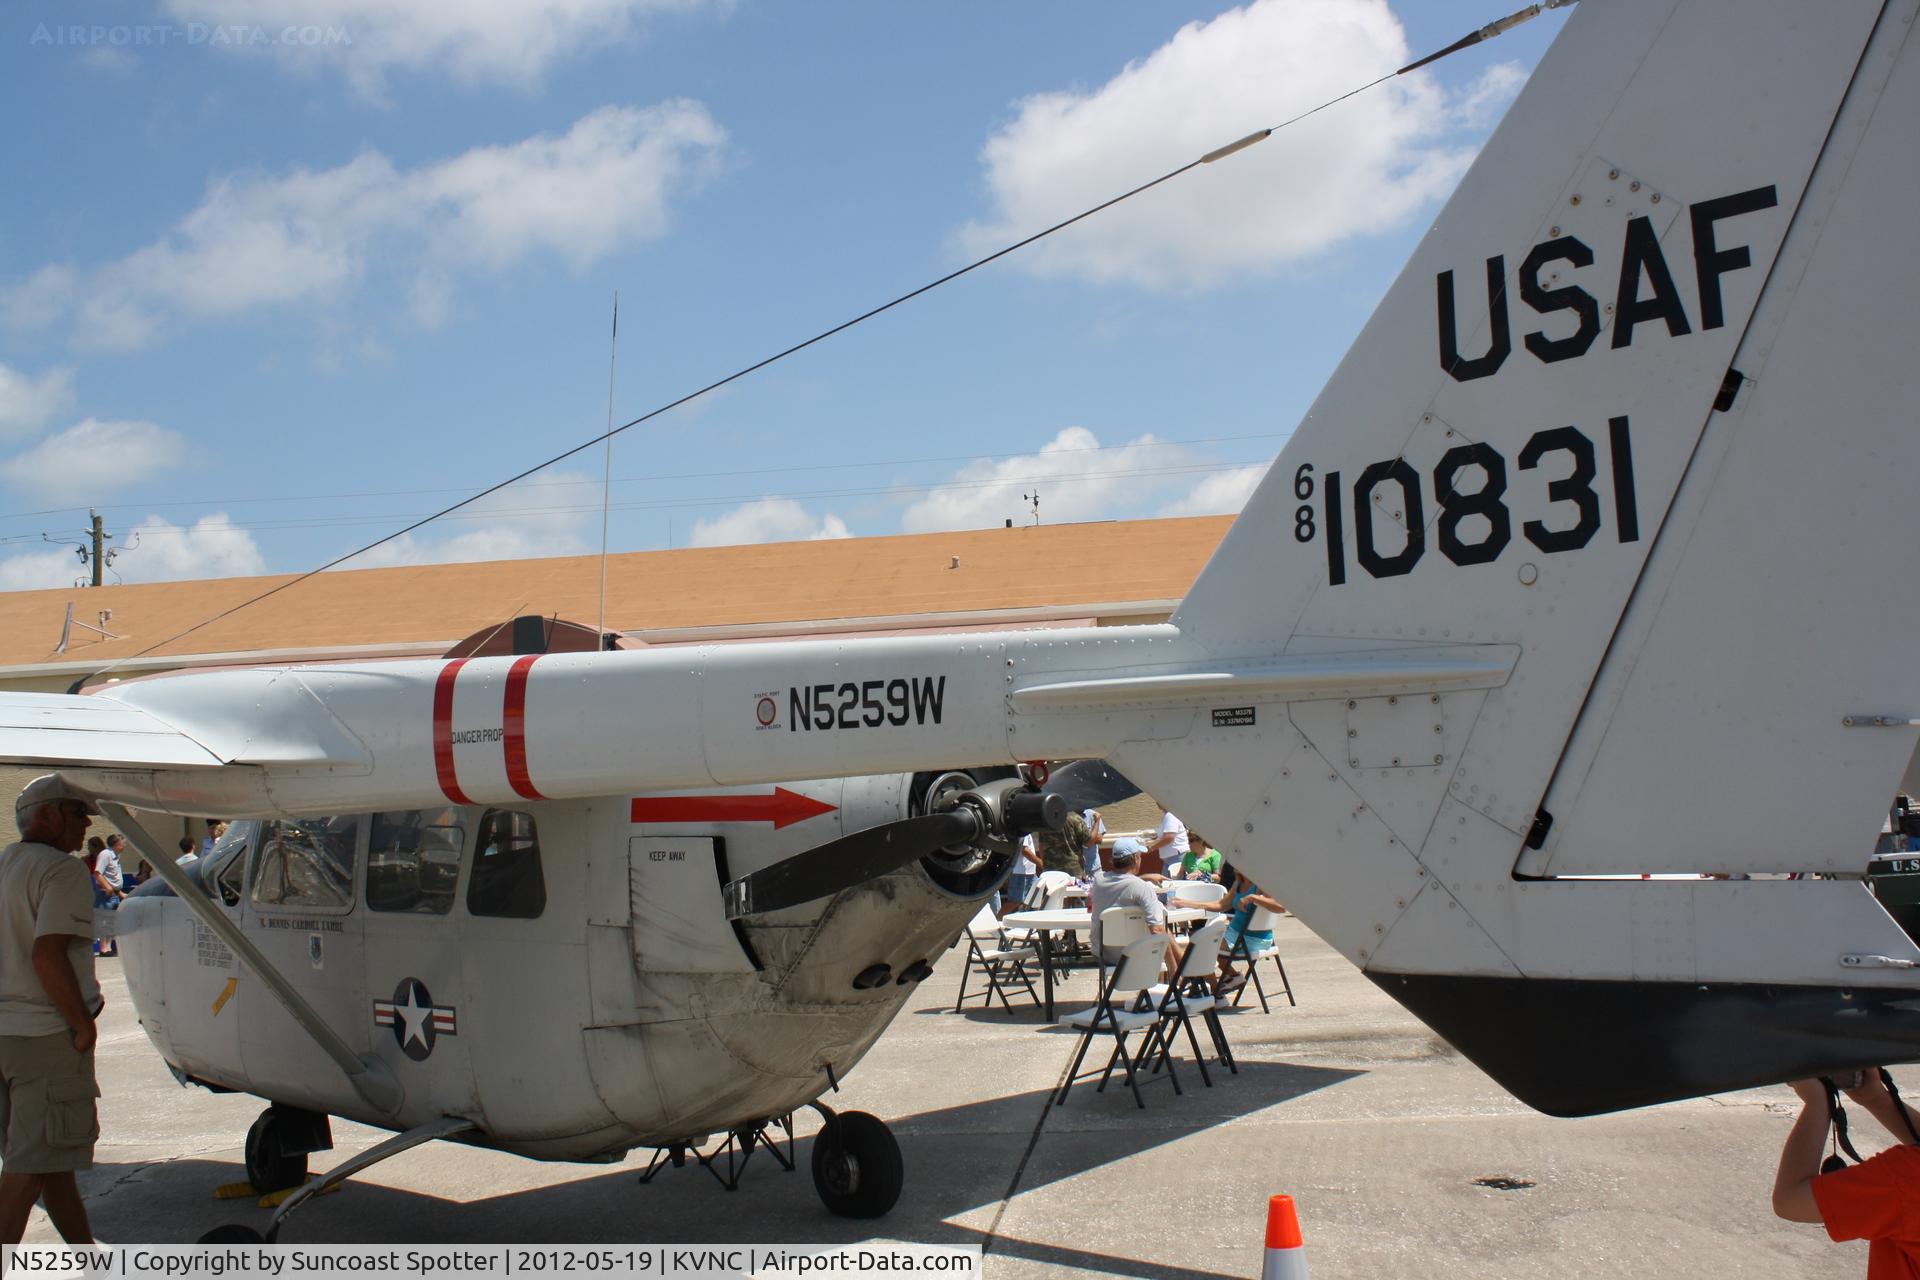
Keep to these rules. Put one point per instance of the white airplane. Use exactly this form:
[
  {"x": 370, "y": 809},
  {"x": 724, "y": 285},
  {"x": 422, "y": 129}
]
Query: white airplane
[{"x": 1586, "y": 563}]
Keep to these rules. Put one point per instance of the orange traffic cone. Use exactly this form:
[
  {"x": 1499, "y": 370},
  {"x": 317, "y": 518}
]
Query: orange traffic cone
[{"x": 1286, "y": 1255}]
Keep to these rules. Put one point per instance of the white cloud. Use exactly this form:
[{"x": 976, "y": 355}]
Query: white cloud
[
  {"x": 27, "y": 402},
  {"x": 211, "y": 547},
  {"x": 156, "y": 550},
  {"x": 41, "y": 569},
  {"x": 1480, "y": 106},
  {"x": 41, "y": 299},
  {"x": 1077, "y": 479},
  {"x": 474, "y": 41},
  {"x": 766, "y": 520},
  {"x": 313, "y": 236},
  {"x": 1361, "y": 167},
  {"x": 558, "y": 515},
  {"x": 1221, "y": 494},
  {"x": 1080, "y": 479},
  {"x": 92, "y": 459}
]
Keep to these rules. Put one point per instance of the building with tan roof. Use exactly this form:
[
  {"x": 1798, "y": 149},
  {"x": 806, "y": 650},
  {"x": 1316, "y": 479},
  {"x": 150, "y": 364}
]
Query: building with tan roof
[{"x": 1095, "y": 574}]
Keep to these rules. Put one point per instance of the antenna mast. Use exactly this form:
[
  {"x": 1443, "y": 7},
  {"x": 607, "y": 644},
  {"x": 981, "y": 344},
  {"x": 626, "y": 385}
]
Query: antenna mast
[{"x": 606, "y": 488}]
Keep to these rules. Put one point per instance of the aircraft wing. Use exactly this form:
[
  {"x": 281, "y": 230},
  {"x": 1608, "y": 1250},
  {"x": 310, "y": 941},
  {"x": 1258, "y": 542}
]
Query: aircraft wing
[{"x": 63, "y": 731}]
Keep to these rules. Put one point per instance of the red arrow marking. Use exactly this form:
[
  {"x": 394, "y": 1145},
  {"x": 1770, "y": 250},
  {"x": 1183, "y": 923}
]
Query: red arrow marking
[{"x": 783, "y": 808}]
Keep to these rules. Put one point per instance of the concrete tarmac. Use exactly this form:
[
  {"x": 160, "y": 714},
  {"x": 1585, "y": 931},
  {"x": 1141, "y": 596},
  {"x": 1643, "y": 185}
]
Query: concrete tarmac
[{"x": 1404, "y": 1159}]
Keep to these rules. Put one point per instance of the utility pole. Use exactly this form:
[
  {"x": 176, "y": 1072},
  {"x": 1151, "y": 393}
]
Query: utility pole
[{"x": 100, "y": 537}]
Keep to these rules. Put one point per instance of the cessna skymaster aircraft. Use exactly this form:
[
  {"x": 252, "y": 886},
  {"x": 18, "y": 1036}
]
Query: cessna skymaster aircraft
[{"x": 1587, "y": 563}]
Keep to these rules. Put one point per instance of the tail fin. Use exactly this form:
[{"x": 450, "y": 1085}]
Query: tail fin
[{"x": 1639, "y": 406}]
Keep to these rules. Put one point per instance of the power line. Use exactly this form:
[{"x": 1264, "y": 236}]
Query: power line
[
  {"x": 229, "y": 500},
  {"x": 661, "y": 504},
  {"x": 1233, "y": 148}
]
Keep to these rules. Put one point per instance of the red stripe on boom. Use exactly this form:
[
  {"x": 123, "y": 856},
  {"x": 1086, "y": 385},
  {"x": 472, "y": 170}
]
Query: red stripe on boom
[
  {"x": 443, "y": 732},
  {"x": 513, "y": 723}
]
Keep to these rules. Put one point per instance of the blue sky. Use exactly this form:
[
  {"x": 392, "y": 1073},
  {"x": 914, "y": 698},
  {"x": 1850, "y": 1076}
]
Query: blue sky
[{"x": 278, "y": 276}]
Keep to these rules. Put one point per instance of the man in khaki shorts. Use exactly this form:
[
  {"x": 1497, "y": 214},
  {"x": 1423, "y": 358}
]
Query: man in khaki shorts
[{"x": 48, "y": 1001}]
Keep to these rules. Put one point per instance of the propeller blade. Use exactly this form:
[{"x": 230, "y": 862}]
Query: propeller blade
[
  {"x": 1090, "y": 784},
  {"x": 825, "y": 870}
]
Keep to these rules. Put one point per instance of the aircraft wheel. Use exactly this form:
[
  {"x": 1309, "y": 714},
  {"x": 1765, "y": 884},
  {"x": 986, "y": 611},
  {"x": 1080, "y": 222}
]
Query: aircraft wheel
[
  {"x": 860, "y": 1174},
  {"x": 233, "y": 1233},
  {"x": 269, "y": 1169}
]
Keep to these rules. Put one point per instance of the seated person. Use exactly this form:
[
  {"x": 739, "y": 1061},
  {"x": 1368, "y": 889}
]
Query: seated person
[
  {"x": 1201, "y": 861},
  {"x": 1120, "y": 887},
  {"x": 1239, "y": 905}
]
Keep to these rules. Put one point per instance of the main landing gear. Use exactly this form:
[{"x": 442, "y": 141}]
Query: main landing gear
[
  {"x": 240, "y": 1233},
  {"x": 856, "y": 1162}
]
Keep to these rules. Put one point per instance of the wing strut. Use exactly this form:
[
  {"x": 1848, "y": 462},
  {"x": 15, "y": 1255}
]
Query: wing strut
[{"x": 369, "y": 1076}]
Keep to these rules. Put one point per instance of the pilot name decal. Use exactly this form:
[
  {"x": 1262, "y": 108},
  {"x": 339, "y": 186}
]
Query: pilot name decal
[
  {"x": 417, "y": 1021},
  {"x": 302, "y": 925},
  {"x": 864, "y": 704}
]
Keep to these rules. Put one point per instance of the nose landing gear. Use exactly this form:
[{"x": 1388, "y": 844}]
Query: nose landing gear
[{"x": 278, "y": 1145}]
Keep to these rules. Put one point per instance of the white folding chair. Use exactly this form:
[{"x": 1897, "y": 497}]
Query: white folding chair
[
  {"x": 998, "y": 963},
  {"x": 1045, "y": 885},
  {"x": 1262, "y": 920},
  {"x": 1117, "y": 927},
  {"x": 1066, "y": 894},
  {"x": 1198, "y": 892},
  {"x": 1171, "y": 1000},
  {"x": 1138, "y": 969}
]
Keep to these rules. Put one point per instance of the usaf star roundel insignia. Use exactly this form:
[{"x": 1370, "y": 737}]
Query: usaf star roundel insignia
[{"x": 416, "y": 1021}]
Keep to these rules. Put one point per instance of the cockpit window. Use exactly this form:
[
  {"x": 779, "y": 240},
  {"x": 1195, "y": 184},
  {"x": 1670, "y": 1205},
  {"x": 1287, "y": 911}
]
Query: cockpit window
[
  {"x": 306, "y": 862},
  {"x": 232, "y": 847},
  {"x": 413, "y": 861},
  {"x": 507, "y": 880}
]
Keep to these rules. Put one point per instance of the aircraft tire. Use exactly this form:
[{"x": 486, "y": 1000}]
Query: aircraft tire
[
  {"x": 860, "y": 1174},
  {"x": 269, "y": 1168},
  {"x": 233, "y": 1233}
]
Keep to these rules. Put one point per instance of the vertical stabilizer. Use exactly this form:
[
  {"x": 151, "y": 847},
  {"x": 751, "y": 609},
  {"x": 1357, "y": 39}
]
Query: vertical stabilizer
[{"x": 1639, "y": 408}]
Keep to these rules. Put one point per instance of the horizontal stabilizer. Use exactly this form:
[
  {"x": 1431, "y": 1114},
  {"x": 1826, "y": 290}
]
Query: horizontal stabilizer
[{"x": 1373, "y": 673}]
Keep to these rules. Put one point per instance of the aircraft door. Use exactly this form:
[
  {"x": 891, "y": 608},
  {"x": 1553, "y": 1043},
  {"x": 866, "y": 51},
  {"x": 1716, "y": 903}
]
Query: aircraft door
[
  {"x": 523, "y": 953},
  {"x": 300, "y": 912},
  {"x": 413, "y": 981},
  {"x": 203, "y": 979}
]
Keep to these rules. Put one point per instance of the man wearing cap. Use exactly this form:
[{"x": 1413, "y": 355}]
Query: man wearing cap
[
  {"x": 1121, "y": 887},
  {"x": 48, "y": 1001}
]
